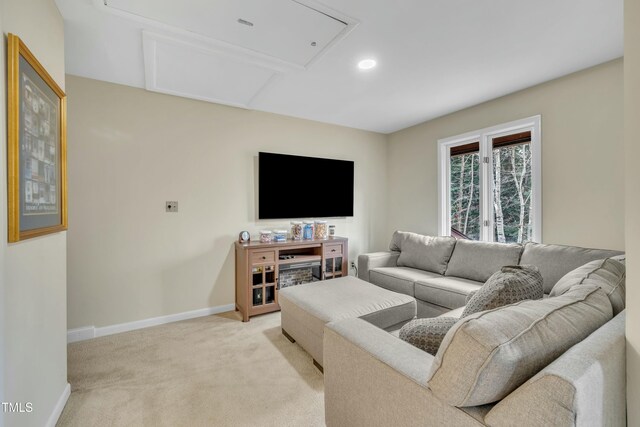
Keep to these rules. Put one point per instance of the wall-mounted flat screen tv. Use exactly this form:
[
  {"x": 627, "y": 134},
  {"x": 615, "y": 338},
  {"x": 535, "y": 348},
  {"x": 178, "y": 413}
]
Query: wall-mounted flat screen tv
[{"x": 303, "y": 187}]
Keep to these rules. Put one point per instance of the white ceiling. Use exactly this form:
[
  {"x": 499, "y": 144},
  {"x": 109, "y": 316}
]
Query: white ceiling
[{"x": 434, "y": 57}]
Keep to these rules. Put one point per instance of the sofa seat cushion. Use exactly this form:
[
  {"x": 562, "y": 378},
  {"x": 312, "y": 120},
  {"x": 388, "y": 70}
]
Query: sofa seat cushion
[
  {"x": 487, "y": 355},
  {"x": 554, "y": 261},
  {"x": 456, "y": 312},
  {"x": 609, "y": 274},
  {"x": 509, "y": 285},
  {"x": 399, "y": 279},
  {"x": 427, "y": 253},
  {"x": 426, "y": 309},
  {"x": 479, "y": 260},
  {"x": 449, "y": 292},
  {"x": 427, "y": 334}
]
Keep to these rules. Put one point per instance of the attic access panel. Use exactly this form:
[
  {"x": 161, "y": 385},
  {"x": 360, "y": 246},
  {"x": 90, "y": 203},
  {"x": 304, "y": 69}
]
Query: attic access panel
[
  {"x": 282, "y": 29},
  {"x": 184, "y": 69}
]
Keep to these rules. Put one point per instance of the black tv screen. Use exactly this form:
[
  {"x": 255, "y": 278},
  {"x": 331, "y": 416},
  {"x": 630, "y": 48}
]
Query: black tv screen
[{"x": 303, "y": 187}]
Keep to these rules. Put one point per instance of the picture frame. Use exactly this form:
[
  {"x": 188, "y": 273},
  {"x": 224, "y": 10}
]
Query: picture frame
[{"x": 36, "y": 147}]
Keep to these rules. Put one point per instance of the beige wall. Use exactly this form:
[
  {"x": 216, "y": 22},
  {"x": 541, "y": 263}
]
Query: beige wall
[
  {"x": 581, "y": 120},
  {"x": 131, "y": 150},
  {"x": 3, "y": 212},
  {"x": 632, "y": 154},
  {"x": 34, "y": 271}
]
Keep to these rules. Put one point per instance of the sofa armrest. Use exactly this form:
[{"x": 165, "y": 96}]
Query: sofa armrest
[
  {"x": 374, "y": 378},
  {"x": 374, "y": 260},
  {"x": 388, "y": 349}
]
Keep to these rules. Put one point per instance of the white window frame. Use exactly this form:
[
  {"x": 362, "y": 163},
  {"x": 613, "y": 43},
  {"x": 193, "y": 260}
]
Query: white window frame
[{"x": 484, "y": 137}]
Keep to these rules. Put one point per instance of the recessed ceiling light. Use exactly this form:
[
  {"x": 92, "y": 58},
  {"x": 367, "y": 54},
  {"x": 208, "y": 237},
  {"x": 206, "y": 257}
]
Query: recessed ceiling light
[{"x": 367, "y": 64}]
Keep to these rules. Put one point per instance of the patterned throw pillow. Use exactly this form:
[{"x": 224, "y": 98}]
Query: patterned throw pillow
[
  {"x": 509, "y": 285},
  {"x": 427, "y": 334}
]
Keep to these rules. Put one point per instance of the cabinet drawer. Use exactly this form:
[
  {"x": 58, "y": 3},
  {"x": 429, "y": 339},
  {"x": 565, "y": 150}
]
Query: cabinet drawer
[
  {"x": 332, "y": 250},
  {"x": 262, "y": 257}
]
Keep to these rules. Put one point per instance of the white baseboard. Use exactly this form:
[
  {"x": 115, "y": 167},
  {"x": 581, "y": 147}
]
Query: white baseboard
[
  {"x": 57, "y": 410},
  {"x": 88, "y": 332},
  {"x": 81, "y": 334}
]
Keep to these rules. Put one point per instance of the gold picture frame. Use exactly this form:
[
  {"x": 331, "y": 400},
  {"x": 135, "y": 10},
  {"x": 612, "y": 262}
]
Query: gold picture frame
[{"x": 36, "y": 146}]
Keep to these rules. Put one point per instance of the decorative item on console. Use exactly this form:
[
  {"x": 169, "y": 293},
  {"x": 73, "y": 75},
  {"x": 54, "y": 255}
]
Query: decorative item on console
[
  {"x": 296, "y": 230},
  {"x": 279, "y": 236},
  {"x": 308, "y": 230},
  {"x": 321, "y": 230},
  {"x": 244, "y": 237},
  {"x": 265, "y": 236}
]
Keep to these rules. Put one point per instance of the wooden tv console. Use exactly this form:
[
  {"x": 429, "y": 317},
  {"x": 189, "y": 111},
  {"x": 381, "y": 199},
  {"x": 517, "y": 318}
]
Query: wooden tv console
[{"x": 261, "y": 266}]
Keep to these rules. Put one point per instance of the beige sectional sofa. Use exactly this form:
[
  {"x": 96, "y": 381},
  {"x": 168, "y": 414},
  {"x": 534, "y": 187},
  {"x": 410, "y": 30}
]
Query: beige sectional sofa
[
  {"x": 372, "y": 378},
  {"x": 440, "y": 272},
  {"x": 557, "y": 361}
]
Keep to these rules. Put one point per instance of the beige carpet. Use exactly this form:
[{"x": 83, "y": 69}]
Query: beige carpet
[{"x": 210, "y": 371}]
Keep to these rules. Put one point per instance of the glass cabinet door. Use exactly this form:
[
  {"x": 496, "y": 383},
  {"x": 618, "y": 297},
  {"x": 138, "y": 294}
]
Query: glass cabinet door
[
  {"x": 333, "y": 267},
  {"x": 263, "y": 285}
]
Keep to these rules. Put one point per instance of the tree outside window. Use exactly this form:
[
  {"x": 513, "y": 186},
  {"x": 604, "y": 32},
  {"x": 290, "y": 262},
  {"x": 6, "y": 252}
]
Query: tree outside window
[{"x": 491, "y": 190}]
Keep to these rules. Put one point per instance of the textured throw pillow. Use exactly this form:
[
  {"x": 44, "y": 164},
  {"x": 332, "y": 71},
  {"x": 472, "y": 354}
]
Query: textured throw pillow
[
  {"x": 609, "y": 274},
  {"x": 487, "y": 355},
  {"x": 469, "y": 296},
  {"x": 427, "y": 334},
  {"x": 424, "y": 252},
  {"x": 509, "y": 285}
]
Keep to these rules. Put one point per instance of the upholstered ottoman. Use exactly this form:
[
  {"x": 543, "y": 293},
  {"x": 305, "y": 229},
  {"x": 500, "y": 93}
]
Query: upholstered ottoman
[{"x": 307, "y": 308}]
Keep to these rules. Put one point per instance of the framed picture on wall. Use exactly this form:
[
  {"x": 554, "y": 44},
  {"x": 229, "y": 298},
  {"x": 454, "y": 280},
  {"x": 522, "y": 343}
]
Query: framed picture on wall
[{"x": 37, "y": 147}]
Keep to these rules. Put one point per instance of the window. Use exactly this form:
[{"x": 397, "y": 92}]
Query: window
[{"x": 490, "y": 184}]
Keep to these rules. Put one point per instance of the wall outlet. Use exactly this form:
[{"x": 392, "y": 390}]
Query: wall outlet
[
  {"x": 172, "y": 206},
  {"x": 353, "y": 264}
]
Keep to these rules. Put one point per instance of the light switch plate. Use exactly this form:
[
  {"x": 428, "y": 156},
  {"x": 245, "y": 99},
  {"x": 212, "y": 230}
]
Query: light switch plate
[{"x": 172, "y": 206}]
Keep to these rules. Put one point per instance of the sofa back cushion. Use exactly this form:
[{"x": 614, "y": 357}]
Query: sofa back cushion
[
  {"x": 487, "y": 355},
  {"x": 424, "y": 252},
  {"x": 554, "y": 261},
  {"x": 509, "y": 285},
  {"x": 479, "y": 260},
  {"x": 609, "y": 274}
]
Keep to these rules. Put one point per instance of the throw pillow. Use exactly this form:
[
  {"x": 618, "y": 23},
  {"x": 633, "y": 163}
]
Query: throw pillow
[
  {"x": 609, "y": 274},
  {"x": 509, "y": 285},
  {"x": 469, "y": 296},
  {"x": 427, "y": 334}
]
